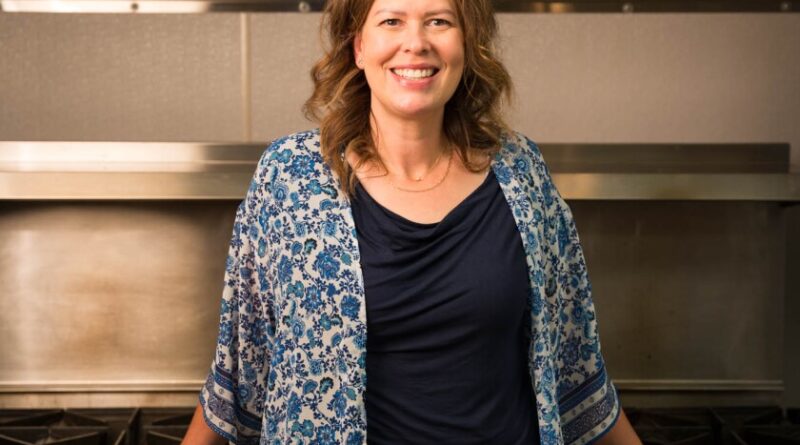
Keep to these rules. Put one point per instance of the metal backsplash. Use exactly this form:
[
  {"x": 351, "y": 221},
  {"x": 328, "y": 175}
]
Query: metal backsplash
[
  {"x": 521, "y": 6},
  {"x": 120, "y": 295}
]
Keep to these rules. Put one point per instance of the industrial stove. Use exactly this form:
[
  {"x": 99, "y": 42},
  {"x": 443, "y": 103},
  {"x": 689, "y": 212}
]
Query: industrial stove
[
  {"x": 166, "y": 426},
  {"x": 769, "y": 425},
  {"x": 114, "y": 426}
]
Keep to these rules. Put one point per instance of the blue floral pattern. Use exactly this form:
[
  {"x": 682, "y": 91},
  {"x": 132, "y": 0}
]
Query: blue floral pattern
[{"x": 291, "y": 352}]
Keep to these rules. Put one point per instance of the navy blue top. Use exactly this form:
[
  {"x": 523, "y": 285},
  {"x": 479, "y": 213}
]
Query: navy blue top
[{"x": 448, "y": 323}]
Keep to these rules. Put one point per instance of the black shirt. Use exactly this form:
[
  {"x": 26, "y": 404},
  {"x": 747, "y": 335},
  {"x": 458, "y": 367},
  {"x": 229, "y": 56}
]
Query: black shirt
[{"x": 448, "y": 324}]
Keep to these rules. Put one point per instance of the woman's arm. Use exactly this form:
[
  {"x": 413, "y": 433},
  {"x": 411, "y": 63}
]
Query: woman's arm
[
  {"x": 621, "y": 433},
  {"x": 199, "y": 433}
]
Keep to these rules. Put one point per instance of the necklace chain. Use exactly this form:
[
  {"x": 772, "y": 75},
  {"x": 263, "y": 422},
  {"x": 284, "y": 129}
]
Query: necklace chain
[
  {"x": 435, "y": 163},
  {"x": 403, "y": 189}
]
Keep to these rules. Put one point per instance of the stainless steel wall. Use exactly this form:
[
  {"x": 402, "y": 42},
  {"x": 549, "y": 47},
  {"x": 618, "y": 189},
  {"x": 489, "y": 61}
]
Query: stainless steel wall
[
  {"x": 641, "y": 77},
  {"x": 689, "y": 295},
  {"x": 110, "y": 297}
]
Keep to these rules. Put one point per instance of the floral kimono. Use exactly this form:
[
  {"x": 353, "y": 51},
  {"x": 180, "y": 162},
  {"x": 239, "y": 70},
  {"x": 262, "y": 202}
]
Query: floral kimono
[{"x": 291, "y": 353}]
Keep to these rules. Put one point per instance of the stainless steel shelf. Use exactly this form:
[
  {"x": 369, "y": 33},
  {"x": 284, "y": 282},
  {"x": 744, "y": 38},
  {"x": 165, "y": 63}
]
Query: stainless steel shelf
[
  {"x": 518, "y": 6},
  {"x": 123, "y": 186},
  {"x": 679, "y": 187},
  {"x": 195, "y": 171},
  {"x": 38, "y": 186}
]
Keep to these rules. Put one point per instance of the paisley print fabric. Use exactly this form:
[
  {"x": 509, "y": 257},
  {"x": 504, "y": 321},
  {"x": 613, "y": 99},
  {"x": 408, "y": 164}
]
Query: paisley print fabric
[{"x": 291, "y": 352}]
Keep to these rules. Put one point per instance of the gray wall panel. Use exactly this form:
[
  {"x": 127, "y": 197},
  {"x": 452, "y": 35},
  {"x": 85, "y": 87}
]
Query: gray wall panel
[
  {"x": 111, "y": 292},
  {"x": 595, "y": 77},
  {"x": 655, "y": 77},
  {"x": 120, "y": 77},
  {"x": 687, "y": 290},
  {"x": 284, "y": 47},
  {"x": 792, "y": 315}
]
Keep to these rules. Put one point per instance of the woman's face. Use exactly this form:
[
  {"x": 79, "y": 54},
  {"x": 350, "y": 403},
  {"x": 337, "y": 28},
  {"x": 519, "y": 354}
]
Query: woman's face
[{"x": 412, "y": 53}]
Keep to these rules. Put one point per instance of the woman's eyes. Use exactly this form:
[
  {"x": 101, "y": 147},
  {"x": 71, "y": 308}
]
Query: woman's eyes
[{"x": 434, "y": 22}]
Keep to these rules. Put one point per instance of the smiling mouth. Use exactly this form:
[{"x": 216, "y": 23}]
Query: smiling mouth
[{"x": 415, "y": 74}]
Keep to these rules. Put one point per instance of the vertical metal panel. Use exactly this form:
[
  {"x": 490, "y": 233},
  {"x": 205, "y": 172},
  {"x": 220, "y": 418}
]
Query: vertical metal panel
[
  {"x": 119, "y": 77},
  {"x": 687, "y": 290},
  {"x": 655, "y": 77},
  {"x": 110, "y": 292},
  {"x": 791, "y": 321},
  {"x": 284, "y": 47}
]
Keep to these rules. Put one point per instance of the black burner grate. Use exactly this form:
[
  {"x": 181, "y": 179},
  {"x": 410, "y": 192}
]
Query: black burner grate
[
  {"x": 716, "y": 426},
  {"x": 66, "y": 427},
  {"x": 163, "y": 426}
]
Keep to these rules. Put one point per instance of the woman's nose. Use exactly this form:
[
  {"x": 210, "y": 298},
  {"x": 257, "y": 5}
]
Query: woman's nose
[{"x": 416, "y": 40}]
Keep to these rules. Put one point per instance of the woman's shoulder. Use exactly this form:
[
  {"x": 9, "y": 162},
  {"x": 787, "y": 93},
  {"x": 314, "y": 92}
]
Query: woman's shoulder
[
  {"x": 298, "y": 148},
  {"x": 515, "y": 143},
  {"x": 299, "y": 143},
  {"x": 291, "y": 166}
]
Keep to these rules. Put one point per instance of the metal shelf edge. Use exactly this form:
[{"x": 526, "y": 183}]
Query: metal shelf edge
[{"x": 47, "y": 186}]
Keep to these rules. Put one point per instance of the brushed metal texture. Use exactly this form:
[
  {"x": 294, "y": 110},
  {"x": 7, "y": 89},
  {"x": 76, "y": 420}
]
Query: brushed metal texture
[
  {"x": 666, "y": 158},
  {"x": 133, "y": 171},
  {"x": 110, "y": 292},
  {"x": 687, "y": 290},
  {"x": 656, "y": 78},
  {"x": 112, "y": 77},
  {"x": 791, "y": 320},
  {"x": 283, "y": 48},
  {"x": 189, "y": 6},
  {"x": 232, "y": 186}
]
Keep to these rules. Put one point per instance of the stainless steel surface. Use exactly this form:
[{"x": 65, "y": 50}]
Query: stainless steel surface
[
  {"x": 685, "y": 187},
  {"x": 159, "y": 6},
  {"x": 126, "y": 156},
  {"x": 791, "y": 320},
  {"x": 232, "y": 186},
  {"x": 123, "y": 186},
  {"x": 279, "y": 89},
  {"x": 687, "y": 271},
  {"x": 625, "y": 78},
  {"x": 189, "y": 6},
  {"x": 648, "y": 6},
  {"x": 688, "y": 290},
  {"x": 113, "y": 399},
  {"x": 667, "y": 158},
  {"x": 91, "y": 77},
  {"x": 154, "y": 171},
  {"x": 107, "y": 298},
  {"x": 102, "y": 386},
  {"x": 110, "y": 292},
  {"x": 699, "y": 385}
]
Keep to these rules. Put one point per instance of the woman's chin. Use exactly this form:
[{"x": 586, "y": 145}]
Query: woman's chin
[{"x": 419, "y": 111}]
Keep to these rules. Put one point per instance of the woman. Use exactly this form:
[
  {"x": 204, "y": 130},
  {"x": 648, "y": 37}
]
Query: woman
[{"x": 412, "y": 214}]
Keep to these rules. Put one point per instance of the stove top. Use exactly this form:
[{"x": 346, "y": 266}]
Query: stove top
[
  {"x": 67, "y": 427},
  {"x": 116, "y": 426},
  {"x": 768, "y": 425}
]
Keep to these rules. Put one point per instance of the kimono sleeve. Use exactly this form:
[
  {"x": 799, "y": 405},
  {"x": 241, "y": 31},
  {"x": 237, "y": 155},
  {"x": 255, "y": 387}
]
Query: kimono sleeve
[
  {"x": 587, "y": 399},
  {"x": 234, "y": 394}
]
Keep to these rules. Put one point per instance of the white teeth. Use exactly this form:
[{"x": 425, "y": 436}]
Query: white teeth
[{"x": 414, "y": 74}]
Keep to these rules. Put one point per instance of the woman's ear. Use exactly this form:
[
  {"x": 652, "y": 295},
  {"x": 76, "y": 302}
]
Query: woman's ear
[{"x": 357, "y": 50}]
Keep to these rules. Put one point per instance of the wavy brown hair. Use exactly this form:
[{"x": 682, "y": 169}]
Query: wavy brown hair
[{"x": 340, "y": 102}]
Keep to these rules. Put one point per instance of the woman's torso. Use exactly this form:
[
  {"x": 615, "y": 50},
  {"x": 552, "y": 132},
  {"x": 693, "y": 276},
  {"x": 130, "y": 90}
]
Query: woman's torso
[{"x": 448, "y": 321}]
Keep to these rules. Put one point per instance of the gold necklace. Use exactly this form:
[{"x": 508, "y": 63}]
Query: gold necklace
[
  {"x": 435, "y": 163},
  {"x": 402, "y": 189}
]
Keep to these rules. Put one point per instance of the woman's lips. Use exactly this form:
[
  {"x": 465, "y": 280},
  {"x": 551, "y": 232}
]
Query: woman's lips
[{"x": 414, "y": 81}]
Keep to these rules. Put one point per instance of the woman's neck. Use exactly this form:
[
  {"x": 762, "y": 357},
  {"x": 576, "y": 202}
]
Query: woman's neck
[{"x": 409, "y": 148}]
